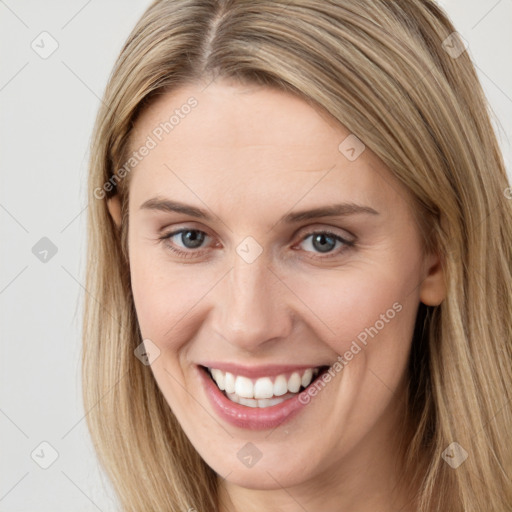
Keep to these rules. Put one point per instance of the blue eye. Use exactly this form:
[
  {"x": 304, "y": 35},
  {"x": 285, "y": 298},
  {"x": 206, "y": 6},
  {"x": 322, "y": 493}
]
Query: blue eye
[
  {"x": 188, "y": 243},
  {"x": 190, "y": 239},
  {"x": 322, "y": 242},
  {"x": 326, "y": 242}
]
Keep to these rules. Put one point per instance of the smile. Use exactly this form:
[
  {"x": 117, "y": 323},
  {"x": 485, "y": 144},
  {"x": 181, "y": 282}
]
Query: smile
[{"x": 265, "y": 391}]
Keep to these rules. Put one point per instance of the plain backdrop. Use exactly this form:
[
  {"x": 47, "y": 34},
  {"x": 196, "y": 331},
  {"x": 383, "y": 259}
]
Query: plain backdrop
[{"x": 47, "y": 109}]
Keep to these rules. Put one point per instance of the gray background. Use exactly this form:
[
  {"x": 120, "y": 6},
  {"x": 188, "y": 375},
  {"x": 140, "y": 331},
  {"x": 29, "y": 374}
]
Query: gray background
[{"x": 47, "y": 110}]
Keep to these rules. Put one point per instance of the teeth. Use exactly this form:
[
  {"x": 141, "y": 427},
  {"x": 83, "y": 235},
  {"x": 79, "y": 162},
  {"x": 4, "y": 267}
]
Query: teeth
[
  {"x": 280, "y": 385},
  {"x": 261, "y": 392},
  {"x": 294, "y": 383},
  {"x": 263, "y": 388},
  {"x": 251, "y": 402},
  {"x": 307, "y": 377},
  {"x": 218, "y": 376},
  {"x": 229, "y": 382},
  {"x": 244, "y": 387},
  {"x": 270, "y": 402}
]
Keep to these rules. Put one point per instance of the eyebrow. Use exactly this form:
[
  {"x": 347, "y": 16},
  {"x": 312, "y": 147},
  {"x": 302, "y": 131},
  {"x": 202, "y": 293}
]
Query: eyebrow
[{"x": 333, "y": 210}]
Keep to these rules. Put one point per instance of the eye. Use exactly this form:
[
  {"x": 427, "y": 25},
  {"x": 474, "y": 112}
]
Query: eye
[
  {"x": 190, "y": 240},
  {"x": 325, "y": 242},
  {"x": 188, "y": 243}
]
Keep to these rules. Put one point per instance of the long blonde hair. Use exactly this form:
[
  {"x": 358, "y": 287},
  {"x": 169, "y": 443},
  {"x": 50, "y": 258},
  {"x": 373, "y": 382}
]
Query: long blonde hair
[{"x": 387, "y": 71}]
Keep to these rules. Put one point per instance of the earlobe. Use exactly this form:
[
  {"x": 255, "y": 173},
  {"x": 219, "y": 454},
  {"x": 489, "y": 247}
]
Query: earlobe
[
  {"x": 114, "y": 207},
  {"x": 433, "y": 287}
]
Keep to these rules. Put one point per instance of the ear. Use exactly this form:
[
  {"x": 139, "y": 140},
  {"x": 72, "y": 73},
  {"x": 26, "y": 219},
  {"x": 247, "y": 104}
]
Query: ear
[
  {"x": 433, "y": 287},
  {"x": 114, "y": 207}
]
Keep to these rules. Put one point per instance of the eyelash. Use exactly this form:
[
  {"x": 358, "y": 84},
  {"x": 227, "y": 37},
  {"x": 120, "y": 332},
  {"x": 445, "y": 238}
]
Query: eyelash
[{"x": 191, "y": 253}]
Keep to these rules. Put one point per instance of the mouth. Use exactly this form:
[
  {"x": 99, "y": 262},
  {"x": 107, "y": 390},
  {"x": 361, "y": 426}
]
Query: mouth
[{"x": 265, "y": 391}]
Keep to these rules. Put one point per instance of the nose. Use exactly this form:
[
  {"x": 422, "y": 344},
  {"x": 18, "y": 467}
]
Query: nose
[{"x": 251, "y": 308}]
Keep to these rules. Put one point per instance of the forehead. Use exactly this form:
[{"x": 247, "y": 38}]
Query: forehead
[
  {"x": 229, "y": 114},
  {"x": 249, "y": 142}
]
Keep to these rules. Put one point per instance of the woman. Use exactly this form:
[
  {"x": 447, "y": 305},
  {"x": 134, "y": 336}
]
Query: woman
[{"x": 300, "y": 262}]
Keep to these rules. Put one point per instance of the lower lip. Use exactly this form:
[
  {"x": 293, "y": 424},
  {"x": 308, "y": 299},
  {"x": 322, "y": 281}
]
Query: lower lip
[{"x": 252, "y": 418}]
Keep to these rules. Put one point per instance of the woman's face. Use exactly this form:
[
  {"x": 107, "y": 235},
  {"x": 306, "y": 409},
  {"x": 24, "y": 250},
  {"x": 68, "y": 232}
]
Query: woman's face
[{"x": 236, "y": 266}]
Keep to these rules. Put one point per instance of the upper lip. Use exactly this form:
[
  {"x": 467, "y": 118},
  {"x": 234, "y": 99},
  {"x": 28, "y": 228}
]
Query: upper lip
[{"x": 256, "y": 372}]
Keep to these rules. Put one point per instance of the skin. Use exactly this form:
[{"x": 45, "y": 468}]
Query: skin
[{"x": 250, "y": 155}]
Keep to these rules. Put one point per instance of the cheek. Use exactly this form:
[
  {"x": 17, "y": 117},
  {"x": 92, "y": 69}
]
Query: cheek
[
  {"x": 166, "y": 296},
  {"x": 358, "y": 307}
]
